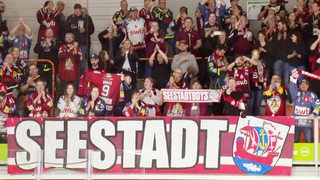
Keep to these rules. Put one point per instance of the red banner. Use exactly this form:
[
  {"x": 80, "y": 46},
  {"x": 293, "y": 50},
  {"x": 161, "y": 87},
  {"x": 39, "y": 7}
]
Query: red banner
[{"x": 160, "y": 145}]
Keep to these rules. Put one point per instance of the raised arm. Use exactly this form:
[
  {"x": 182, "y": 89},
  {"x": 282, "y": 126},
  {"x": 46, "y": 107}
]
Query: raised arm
[
  {"x": 13, "y": 31},
  {"x": 28, "y": 30}
]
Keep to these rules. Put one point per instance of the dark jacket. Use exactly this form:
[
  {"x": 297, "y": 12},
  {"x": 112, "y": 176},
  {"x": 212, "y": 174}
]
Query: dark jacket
[
  {"x": 105, "y": 43},
  {"x": 81, "y": 38},
  {"x": 300, "y": 49},
  {"x": 119, "y": 61},
  {"x": 280, "y": 47}
]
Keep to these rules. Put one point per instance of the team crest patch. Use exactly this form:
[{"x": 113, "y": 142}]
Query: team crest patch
[
  {"x": 274, "y": 104},
  {"x": 258, "y": 144}
]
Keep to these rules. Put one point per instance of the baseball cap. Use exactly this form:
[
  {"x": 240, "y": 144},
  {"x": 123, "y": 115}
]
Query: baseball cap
[{"x": 94, "y": 56}]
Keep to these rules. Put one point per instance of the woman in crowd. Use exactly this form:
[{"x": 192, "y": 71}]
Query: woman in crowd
[
  {"x": 135, "y": 108},
  {"x": 70, "y": 104},
  {"x": 94, "y": 105},
  {"x": 125, "y": 61},
  {"x": 160, "y": 68},
  {"x": 293, "y": 23},
  {"x": 106, "y": 61},
  {"x": 152, "y": 97},
  {"x": 296, "y": 57},
  {"x": 265, "y": 52}
]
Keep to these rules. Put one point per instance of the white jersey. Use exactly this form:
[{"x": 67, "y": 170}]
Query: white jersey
[
  {"x": 73, "y": 110},
  {"x": 135, "y": 31}
]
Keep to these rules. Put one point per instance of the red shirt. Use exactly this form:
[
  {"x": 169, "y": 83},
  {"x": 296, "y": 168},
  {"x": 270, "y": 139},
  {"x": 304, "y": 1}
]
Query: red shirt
[
  {"x": 191, "y": 37},
  {"x": 41, "y": 108},
  {"x": 147, "y": 16},
  {"x": 90, "y": 78},
  {"x": 258, "y": 75},
  {"x": 242, "y": 79},
  {"x": 7, "y": 106},
  {"x": 48, "y": 21},
  {"x": 276, "y": 101},
  {"x": 108, "y": 85},
  {"x": 69, "y": 63}
]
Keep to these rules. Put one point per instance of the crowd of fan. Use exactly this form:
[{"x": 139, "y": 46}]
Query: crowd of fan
[{"x": 214, "y": 48}]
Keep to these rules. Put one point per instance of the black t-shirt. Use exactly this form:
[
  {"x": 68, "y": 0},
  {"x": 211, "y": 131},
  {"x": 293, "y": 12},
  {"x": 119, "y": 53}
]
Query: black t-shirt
[{"x": 161, "y": 74}]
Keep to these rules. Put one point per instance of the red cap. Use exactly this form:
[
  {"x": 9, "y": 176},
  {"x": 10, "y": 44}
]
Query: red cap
[{"x": 3, "y": 87}]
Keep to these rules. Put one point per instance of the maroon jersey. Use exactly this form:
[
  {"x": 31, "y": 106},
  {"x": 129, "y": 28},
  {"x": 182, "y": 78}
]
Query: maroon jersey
[
  {"x": 191, "y": 37},
  {"x": 90, "y": 78},
  {"x": 10, "y": 77},
  {"x": 151, "y": 42},
  {"x": 276, "y": 101},
  {"x": 147, "y": 16},
  {"x": 258, "y": 76},
  {"x": 48, "y": 21},
  {"x": 108, "y": 85},
  {"x": 40, "y": 108},
  {"x": 7, "y": 106},
  {"x": 242, "y": 79},
  {"x": 69, "y": 63}
]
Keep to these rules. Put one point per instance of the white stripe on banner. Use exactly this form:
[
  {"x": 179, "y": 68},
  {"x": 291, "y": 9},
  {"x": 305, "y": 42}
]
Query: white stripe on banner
[
  {"x": 232, "y": 129},
  {"x": 227, "y": 160}
]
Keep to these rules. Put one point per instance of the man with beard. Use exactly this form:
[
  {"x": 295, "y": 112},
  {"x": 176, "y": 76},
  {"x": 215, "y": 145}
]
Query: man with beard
[
  {"x": 69, "y": 61},
  {"x": 185, "y": 60},
  {"x": 81, "y": 27},
  {"x": 276, "y": 95}
]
